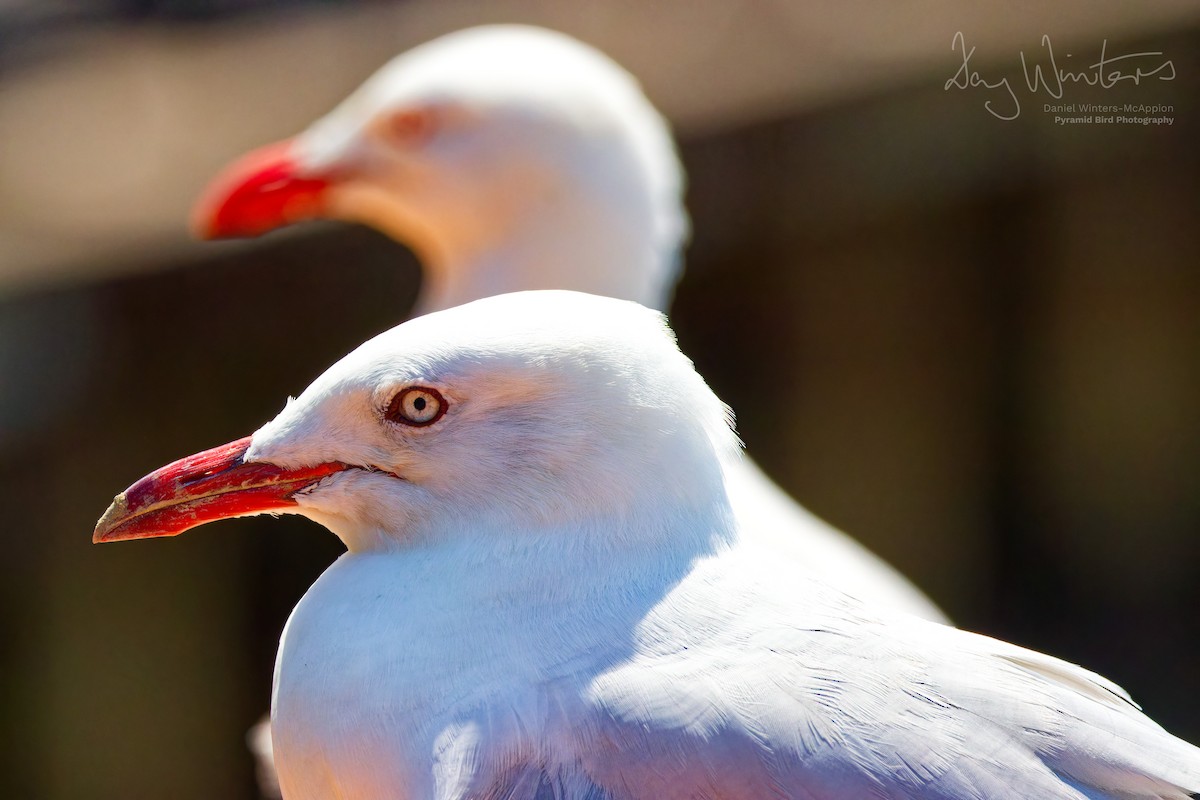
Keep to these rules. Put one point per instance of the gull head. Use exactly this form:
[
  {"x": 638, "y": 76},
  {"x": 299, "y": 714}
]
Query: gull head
[
  {"x": 499, "y": 146},
  {"x": 534, "y": 411}
]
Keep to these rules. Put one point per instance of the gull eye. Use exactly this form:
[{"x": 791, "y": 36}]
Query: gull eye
[
  {"x": 417, "y": 406},
  {"x": 410, "y": 126}
]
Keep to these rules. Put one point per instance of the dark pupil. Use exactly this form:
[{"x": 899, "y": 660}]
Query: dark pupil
[{"x": 419, "y": 404}]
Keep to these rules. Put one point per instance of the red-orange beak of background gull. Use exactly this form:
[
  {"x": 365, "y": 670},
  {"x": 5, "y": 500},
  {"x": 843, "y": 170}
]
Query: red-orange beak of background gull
[
  {"x": 215, "y": 484},
  {"x": 259, "y": 192}
]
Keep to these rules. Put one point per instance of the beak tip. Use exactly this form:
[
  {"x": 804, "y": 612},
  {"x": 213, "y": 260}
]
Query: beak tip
[
  {"x": 112, "y": 518},
  {"x": 202, "y": 223},
  {"x": 210, "y": 217},
  {"x": 256, "y": 194}
]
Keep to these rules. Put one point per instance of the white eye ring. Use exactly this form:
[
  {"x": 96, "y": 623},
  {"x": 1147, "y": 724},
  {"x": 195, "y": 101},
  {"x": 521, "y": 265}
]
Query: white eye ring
[{"x": 417, "y": 406}]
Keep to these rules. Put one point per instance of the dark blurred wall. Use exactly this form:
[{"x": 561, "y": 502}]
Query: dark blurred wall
[{"x": 973, "y": 344}]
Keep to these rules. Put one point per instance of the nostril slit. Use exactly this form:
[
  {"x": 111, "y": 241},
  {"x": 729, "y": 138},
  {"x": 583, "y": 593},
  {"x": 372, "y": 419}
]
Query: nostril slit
[{"x": 208, "y": 473}]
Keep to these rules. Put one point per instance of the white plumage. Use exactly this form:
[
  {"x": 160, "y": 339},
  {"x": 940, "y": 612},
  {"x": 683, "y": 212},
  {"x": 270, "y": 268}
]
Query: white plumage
[
  {"x": 547, "y": 594},
  {"x": 513, "y": 158}
]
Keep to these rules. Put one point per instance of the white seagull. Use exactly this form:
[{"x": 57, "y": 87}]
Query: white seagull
[
  {"x": 513, "y": 158},
  {"x": 547, "y": 596}
]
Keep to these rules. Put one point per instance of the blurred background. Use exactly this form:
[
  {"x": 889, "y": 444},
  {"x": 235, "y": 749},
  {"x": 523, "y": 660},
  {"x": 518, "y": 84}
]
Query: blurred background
[{"x": 975, "y": 344}]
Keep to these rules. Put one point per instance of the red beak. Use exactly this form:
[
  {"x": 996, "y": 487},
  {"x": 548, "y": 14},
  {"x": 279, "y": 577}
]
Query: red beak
[
  {"x": 215, "y": 484},
  {"x": 259, "y": 192}
]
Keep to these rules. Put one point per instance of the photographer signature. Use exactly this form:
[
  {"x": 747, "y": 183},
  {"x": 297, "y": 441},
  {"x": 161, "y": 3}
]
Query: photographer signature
[{"x": 1102, "y": 73}]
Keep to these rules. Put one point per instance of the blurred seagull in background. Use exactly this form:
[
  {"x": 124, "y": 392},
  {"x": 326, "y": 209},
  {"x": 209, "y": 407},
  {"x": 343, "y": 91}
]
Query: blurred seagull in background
[
  {"x": 547, "y": 595},
  {"x": 512, "y": 158}
]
